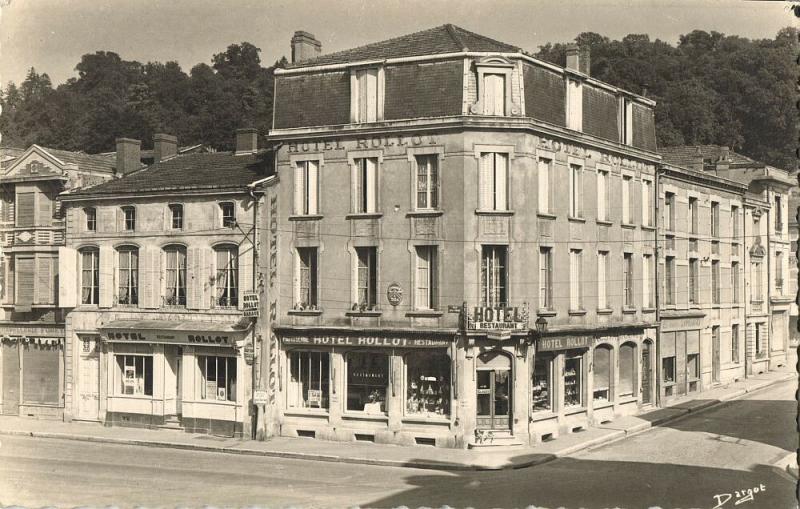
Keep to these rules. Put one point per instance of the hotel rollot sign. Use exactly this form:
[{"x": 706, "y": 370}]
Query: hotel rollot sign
[{"x": 497, "y": 318}]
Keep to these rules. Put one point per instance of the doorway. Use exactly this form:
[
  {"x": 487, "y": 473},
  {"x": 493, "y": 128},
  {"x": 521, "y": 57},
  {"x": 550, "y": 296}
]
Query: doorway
[
  {"x": 89, "y": 381},
  {"x": 10, "y": 379},
  {"x": 494, "y": 391},
  {"x": 647, "y": 386}
]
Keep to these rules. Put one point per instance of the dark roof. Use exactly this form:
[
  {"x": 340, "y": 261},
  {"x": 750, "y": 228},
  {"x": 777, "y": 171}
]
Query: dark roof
[
  {"x": 217, "y": 170},
  {"x": 84, "y": 161},
  {"x": 689, "y": 155},
  {"x": 434, "y": 41}
]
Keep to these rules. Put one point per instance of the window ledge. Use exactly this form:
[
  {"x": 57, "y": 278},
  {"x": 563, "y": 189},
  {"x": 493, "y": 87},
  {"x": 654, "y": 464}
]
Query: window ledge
[
  {"x": 425, "y": 213},
  {"x": 577, "y": 312},
  {"x": 546, "y": 215},
  {"x": 306, "y": 412},
  {"x": 363, "y": 313},
  {"x": 648, "y": 227},
  {"x": 364, "y": 215},
  {"x": 486, "y": 212},
  {"x": 305, "y": 312},
  {"x": 308, "y": 217},
  {"x": 604, "y": 222},
  {"x": 421, "y": 419},
  {"x": 542, "y": 415},
  {"x": 668, "y": 384},
  {"x": 628, "y": 398},
  {"x": 365, "y": 417},
  {"x": 572, "y": 410},
  {"x": 628, "y": 226},
  {"x": 604, "y": 311},
  {"x": 628, "y": 311},
  {"x": 546, "y": 312},
  {"x": 648, "y": 310},
  {"x": 572, "y": 219},
  {"x": 600, "y": 404},
  {"x": 430, "y": 313}
]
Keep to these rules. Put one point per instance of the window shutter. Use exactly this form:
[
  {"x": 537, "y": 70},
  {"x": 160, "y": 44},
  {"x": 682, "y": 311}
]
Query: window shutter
[
  {"x": 106, "y": 277},
  {"x": 152, "y": 279},
  {"x": 501, "y": 181},
  {"x": 434, "y": 266},
  {"x": 543, "y": 190},
  {"x": 43, "y": 280},
  {"x": 26, "y": 209},
  {"x": 25, "y": 281},
  {"x": 486, "y": 181},
  {"x": 245, "y": 270},
  {"x": 601, "y": 281},
  {"x": 205, "y": 268},
  {"x": 67, "y": 277},
  {"x": 313, "y": 177},
  {"x": 45, "y": 210},
  {"x": 194, "y": 292},
  {"x": 372, "y": 95},
  {"x": 499, "y": 94},
  {"x": 371, "y": 181},
  {"x": 299, "y": 189}
]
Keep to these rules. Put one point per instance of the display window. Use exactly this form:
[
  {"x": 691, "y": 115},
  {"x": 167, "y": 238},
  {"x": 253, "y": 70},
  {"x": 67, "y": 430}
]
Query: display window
[
  {"x": 627, "y": 369},
  {"x": 309, "y": 379},
  {"x": 367, "y": 382},
  {"x": 217, "y": 378},
  {"x": 602, "y": 374},
  {"x": 136, "y": 375},
  {"x": 573, "y": 391},
  {"x": 542, "y": 384},
  {"x": 428, "y": 384},
  {"x": 668, "y": 369},
  {"x": 693, "y": 365}
]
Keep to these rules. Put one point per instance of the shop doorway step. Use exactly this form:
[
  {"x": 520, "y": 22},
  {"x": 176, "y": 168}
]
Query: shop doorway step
[
  {"x": 494, "y": 440},
  {"x": 172, "y": 422}
]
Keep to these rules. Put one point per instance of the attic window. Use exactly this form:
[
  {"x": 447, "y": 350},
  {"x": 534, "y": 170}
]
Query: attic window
[
  {"x": 494, "y": 88},
  {"x": 366, "y": 94}
]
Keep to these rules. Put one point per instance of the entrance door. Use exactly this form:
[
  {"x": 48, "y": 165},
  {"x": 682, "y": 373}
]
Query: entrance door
[
  {"x": 89, "y": 381},
  {"x": 10, "y": 379},
  {"x": 646, "y": 373},
  {"x": 493, "y": 379},
  {"x": 715, "y": 354}
]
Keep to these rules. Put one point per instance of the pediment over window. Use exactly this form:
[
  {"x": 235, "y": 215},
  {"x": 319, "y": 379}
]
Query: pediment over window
[
  {"x": 35, "y": 163},
  {"x": 494, "y": 77}
]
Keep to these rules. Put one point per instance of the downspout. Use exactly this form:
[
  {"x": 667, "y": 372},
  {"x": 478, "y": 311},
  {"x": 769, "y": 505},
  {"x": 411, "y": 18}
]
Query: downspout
[
  {"x": 745, "y": 294},
  {"x": 657, "y": 282}
]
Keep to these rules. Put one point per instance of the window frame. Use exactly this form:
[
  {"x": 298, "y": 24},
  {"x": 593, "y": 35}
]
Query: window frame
[
  {"x": 128, "y": 218},
  {"x": 715, "y": 283},
  {"x": 602, "y": 194},
  {"x": 609, "y": 397},
  {"x": 227, "y": 221},
  {"x": 498, "y": 199},
  {"x": 311, "y": 300},
  {"x": 576, "y": 279},
  {"x": 132, "y": 276},
  {"x": 230, "y": 389},
  {"x": 546, "y": 278},
  {"x": 365, "y": 191},
  {"x": 548, "y": 360},
  {"x": 634, "y": 375},
  {"x": 575, "y": 190},
  {"x": 122, "y": 368},
  {"x": 432, "y": 181},
  {"x": 602, "y": 280},
  {"x": 494, "y": 259},
  {"x": 324, "y": 385},
  {"x": 694, "y": 281},
  {"x": 231, "y": 275},
  {"x": 305, "y": 180},
  {"x": 178, "y": 249},
  {"x": 431, "y": 289},
  {"x": 173, "y": 207},
  {"x": 90, "y": 219},
  {"x": 94, "y": 289},
  {"x": 365, "y": 265},
  {"x": 545, "y": 181},
  {"x": 446, "y": 367},
  {"x": 628, "y": 279},
  {"x": 357, "y": 115},
  {"x": 347, "y": 384}
]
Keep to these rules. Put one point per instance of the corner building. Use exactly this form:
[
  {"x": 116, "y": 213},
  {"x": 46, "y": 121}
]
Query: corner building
[{"x": 463, "y": 243}]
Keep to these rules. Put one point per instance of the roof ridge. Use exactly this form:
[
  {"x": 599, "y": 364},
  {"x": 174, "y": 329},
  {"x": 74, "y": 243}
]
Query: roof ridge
[
  {"x": 451, "y": 30},
  {"x": 485, "y": 38}
]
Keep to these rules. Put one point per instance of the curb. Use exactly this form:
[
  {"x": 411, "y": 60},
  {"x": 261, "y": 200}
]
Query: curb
[{"x": 608, "y": 439}]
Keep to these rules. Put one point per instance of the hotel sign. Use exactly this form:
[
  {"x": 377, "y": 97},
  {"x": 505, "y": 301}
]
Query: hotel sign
[
  {"x": 170, "y": 337},
  {"x": 498, "y": 318},
  {"x": 563, "y": 343},
  {"x": 373, "y": 341}
]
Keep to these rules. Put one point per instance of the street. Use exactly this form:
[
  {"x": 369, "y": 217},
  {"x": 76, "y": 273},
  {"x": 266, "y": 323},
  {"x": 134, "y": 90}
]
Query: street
[{"x": 700, "y": 461}]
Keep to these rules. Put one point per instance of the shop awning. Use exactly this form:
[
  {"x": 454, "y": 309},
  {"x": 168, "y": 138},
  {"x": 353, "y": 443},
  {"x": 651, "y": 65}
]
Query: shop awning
[{"x": 185, "y": 332}]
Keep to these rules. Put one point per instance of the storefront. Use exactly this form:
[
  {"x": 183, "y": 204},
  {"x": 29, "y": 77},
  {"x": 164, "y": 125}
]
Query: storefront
[
  {"x": 32, "y": 362},
  {"x": 383, "y": 386},
  {"x": 680, "y": 354},
  {"x": 189, "y": 375}
]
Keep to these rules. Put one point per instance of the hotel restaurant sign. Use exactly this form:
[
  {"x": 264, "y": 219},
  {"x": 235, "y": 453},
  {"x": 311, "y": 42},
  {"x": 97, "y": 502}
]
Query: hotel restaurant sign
[
  {"x": 497, "y": 318},
  {"x": 171, "y": 337},
  {"x": 373, "y": 341}
]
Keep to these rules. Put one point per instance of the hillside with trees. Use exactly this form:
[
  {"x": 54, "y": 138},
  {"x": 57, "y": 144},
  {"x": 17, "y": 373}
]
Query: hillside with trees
[{"x": 710, "y": 88}]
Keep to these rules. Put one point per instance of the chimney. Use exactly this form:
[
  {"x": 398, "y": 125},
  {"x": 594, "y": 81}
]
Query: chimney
[
  {"x": 697, "y": 160},
  {"x": 573, "y": 57},
  {"x": 129, "y": 155},
  {"x": 246, "y": 141},
  {"x": 164, "y": 146},
  {"x": 724, "y": 161},
  {"x": 305, "y": 46},
  {"x": 585, "y": 60}
]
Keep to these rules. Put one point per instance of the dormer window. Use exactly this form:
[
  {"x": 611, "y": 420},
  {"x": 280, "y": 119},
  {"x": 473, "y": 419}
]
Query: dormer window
[
  {"x": 494, "y": 94},
  {"x": 574, "y": 104},
  {"x": 366, "y": 95},
  {"x": 625, "y": 121},
  {"x": 494, "y": 88}
]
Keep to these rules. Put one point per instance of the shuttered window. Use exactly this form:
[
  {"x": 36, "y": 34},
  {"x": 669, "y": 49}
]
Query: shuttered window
[
  {"x": 494, "y": 181},
  {"x": 26, "y": 281},
  {"x": 90, "y": 276},
  {"x": 45, "y": 275},
  {"x": 306, "y": 279},
  {"x": 44, "y": 210},
  {"x": 574, "y": 105},
  {"x": 227, "y": 279},
  {"x": 545, "y": 185},
  {"x": 494, "y": 94},
  {"x": 306, "y": 188},
  {"x": 366, "y": 185},
  {"x": 7, "y": 204},
  {"x": 40, "y": 375},
  {"x": 26, "y": 209},
  {"x": 128, "y": 292},
  {"x": 426, "y": 277},
  {"x": 602, "y": 286},
  {"x": 367, "y": 82}
]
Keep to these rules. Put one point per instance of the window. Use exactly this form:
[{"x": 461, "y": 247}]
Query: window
[
  {"x": 367, "y": 381},
  {"x": 367, "y": 277},
  {"x": 176, "y": 216},
  {"x": 128, "y": 293},
  {"x": 735, "y": 222},
  {"x": 90, "y": 276},
  {"x": 779, "y": 272},
  {"x": 366, "y": 185},
  {"x": 573, "y": 394},
  {"x": 309, "y": 379},
  {"x": 545, "y": 190},
  {"x": 227, "y": 278},
  {"x": 648, "y": 299},
  {"x": 647, "y": 217},
  {"x": 366, "y": 95},
  {"x": 669, "y": 211},
  {"x": 26, "y": 209},
  {"x": 735, "y": 343},
  {"x": 542, "y": 391},
  {"x": 545, "y": 278},
  {"x": 128, "y": 219},
  {"x": 693, "y": 280},
  {"x": 175, "y": 290},
  {"x": 693, "y": 366},
  {"x": 494, "y": 181},
  {"x": 136, "y": 375},
  {"x": 575, "y": 190},
  {"x": 627, "y": 369},
  {"x": 307, "y": 288},
  {"x": 494, "y": 275},
  {"x": 735, "y": 281},
  {"x": 627, "y": 277},
  {"x": 228, "y": 214},
  {"x": 692, "y": 214},
  {"x": 426, "y": 280},
  {"x": 494, "y": 94},
  {"x": 759, "y": 340},
  {"x": 428, "y": 384},
  {"x": 669, "y": 280},
  {"x": 90, "y": 214},
  {"x": 575, "y": 279},
  {"x": 602, "y": 195},
  {"x": 714, "y": 219},
  {"x": 218, "y": 377},
  {"x": 427, "y": 182},
  {"x": 602, "y": 373},
  {"x": 778, "y": 215},
  {"x": 626, "y": 199},
  {"x": 306, "y": 185},
  {"x": 574, "y": 105},
  {"x": 626, "y": 121},
  {"x": 715, "y": 282},
  {"x": 668, "y": 369},
  {"x": 602, "y": 286},
  {"x": 757, "y": 292}
]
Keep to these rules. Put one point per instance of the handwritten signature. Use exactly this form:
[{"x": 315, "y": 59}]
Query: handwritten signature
[{"x": 739, "y": 496}]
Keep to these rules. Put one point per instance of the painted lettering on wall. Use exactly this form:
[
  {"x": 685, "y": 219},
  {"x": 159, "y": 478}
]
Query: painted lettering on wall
[{"x": 360, "y": 143}]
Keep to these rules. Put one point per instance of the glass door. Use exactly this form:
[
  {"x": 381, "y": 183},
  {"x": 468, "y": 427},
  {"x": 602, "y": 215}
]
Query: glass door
[
  {"x": 494, "y": 399},
  {"x": 646, "y": 385}
]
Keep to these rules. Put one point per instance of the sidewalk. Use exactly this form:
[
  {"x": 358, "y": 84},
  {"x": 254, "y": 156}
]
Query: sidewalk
[{"x": 389, "y": 455}]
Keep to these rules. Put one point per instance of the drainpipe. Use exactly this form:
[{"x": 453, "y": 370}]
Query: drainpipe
[{"x": 657, "y": 282}]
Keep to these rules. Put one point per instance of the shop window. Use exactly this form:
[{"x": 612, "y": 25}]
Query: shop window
[
  {"x": 428, "y": 384},
  {"x": 90, "y": 276},
  {"x": 493, "y": 181},
  {"x": 128, "y": 291},
  {"x": 136, "y": 375},
  {"x": 228, "y": 214},
  {"x": 427, "y": 182},
  {"x": 306, "y": 185},
  {"x": 90, "y": 215},
  {"x": 367, "y": 278},
  {"x": 367, "y": 382},
  {"x": 175, "y": 291},
  {"x": 542, "y": 390},
  {"x": 427, "y": 277},
  {"x": 309, "y": 379},
  {"x": 365, "y": 185},
  {"x": 668, "y": 370},
  {"x": 218, "y": 378},
  {"x": 602, "y": 373},
  {"x": 40, "y": 374},
  {"x": 573, "y": 395},
  {"x": 693, "y": 366},
  {"x": 494, "y": 275},
  {"x": 176, "y": 216},
  {"x": 306, "y": 278},
  {"x": 627, "y": 369},
  {"x": 128, "y": 219},
  {"x": 227, "y": 279}
]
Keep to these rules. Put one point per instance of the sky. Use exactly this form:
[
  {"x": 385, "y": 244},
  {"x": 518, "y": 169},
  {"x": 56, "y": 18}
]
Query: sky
[{"x": 52, "y": 35}]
